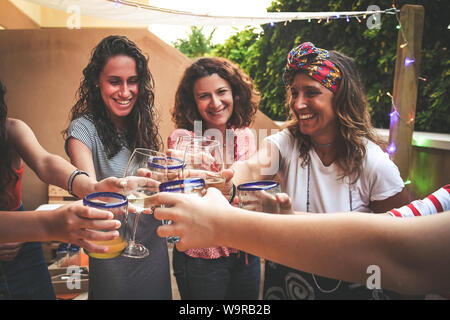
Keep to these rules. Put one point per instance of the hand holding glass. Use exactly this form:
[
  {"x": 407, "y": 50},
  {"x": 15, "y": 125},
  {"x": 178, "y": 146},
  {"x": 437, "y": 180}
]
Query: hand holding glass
[
  {"x": 141, "y": 165},
  {"x": 191, "y": 186},
  {"x": 259, "y": 196},
  {"x": 203, "y": 159},
  {"x": 117, "y": 204}
]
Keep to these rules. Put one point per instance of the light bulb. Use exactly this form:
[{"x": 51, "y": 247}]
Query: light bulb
[{"x": 409, "y": 61}]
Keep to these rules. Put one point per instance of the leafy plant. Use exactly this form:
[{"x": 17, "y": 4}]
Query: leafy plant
[
  {"x": 197, "y": 44},
  {"x": 263, "y": 55}
]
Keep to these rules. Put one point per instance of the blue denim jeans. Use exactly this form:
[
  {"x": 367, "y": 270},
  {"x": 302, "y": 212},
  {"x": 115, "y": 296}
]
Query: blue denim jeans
[
  {"x": 26, "y": 277},
  {"x": 225, "y": 278}
]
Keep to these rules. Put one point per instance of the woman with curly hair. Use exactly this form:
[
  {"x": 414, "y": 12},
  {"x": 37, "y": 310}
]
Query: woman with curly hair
[
  {"x": 113, "y": 115},
  {"x": 327, "y": 158},
  {"x": 218, "y": 100}
]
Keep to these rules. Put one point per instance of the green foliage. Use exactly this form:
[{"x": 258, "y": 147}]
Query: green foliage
[
  {"x": 263, "y": 56},
  {"x": 197, "y": 44}
]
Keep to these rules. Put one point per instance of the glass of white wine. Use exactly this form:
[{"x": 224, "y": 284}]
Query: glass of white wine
[
  {"x": 142, "y": 163},
  {"x": 203, "y": 159}
]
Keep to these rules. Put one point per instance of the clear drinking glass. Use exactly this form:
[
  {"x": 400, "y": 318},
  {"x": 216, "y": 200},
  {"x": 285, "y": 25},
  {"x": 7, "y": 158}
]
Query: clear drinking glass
[
  {"x": 259, "y": 196},
  {"x": 191, "y": 186},
  {"x": 117, "y": 204},
  {"x": 142, "y": 163},
  {"x": 203, "y": 159},
  {"x": 175, "y": 168}
]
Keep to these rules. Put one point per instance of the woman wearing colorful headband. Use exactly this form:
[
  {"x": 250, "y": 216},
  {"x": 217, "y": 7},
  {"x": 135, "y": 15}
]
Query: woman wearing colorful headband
[{"x": 328, "y": 160}]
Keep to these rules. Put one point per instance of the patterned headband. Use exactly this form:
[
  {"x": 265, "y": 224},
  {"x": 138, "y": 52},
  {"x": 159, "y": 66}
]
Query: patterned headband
[{"x": 316, "y": 64}]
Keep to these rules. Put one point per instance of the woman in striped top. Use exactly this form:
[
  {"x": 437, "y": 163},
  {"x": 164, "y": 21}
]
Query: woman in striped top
[{"x": 113, "y": 115}]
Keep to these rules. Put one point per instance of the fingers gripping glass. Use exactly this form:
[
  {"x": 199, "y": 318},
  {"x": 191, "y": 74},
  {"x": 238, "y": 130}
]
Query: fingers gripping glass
[
  {"x": 117, "y": 204},
  {"x": 203, "y": 159},
  {"x": 172, "y": 167},
  {"x": 259, "y": 196},
  {"x": 191, "y": 186},
  {"x": 142, "y": 163}
]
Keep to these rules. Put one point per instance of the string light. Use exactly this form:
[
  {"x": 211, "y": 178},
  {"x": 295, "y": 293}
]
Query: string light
[
  {"x": 399, "y": 27},
  {"x": 211, "y": 18},
  {"x": 409, "y": 61},
  {"x": 392, "y": 148},
  {"x": 394, "y": 115}
]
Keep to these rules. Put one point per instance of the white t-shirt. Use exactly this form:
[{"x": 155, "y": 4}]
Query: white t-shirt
[{"x": 379, "y": 179}]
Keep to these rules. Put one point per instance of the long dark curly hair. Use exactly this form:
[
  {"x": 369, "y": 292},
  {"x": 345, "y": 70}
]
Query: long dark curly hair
[
  {"x": 140, "y": 125},
  {"x": 7, "y": 174},
  {"x": 350, "y": 106},
  {"x": 245, "y": 96}
]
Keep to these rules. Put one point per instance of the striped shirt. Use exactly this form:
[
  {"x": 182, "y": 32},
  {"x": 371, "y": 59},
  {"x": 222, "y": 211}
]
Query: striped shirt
[
  {"x": 438, "y": 201},
  {"x": 124, "y": 278},
  {"x": 83, "y": 129}
]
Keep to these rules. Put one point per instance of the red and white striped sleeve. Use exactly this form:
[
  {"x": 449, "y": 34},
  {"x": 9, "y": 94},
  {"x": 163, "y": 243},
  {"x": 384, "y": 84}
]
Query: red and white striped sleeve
[{"x": 436, "y": 202}]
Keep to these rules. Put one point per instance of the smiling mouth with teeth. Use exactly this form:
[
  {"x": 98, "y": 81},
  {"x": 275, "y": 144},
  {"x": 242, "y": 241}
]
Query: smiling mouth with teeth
[
  {"x": 123, "y": 102},
  {"x": 305, "y": 116}
]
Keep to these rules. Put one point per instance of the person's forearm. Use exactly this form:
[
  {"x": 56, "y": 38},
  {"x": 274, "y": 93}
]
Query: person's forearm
[
  {"x": 55, "y": 170},
  {"x": 24, "y": 226},
  {"x": 343, "y": 246}
]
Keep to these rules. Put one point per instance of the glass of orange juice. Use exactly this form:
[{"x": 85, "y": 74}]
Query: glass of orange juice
[{"x": 117, "y": 204}]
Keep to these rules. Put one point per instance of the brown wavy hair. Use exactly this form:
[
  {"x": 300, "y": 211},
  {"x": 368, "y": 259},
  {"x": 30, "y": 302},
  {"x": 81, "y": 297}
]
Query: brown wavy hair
[
  {"x": 7, "y": 174},
  {"x": 354, "y": 123},
  {"x": 140, "y": 125},
  {"x": 245, "y": 96}
]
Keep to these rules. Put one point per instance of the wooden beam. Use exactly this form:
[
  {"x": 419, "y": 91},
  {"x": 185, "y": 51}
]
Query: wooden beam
[{"x": 409, "y": 46}]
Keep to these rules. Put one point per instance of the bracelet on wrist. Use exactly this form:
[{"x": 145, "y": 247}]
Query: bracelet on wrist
[
  {"x": 233, "y": 194},
  {"x": 72, "y": 178}
]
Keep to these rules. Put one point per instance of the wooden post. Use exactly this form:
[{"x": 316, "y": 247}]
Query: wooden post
[{"x": 405, "y": 86}]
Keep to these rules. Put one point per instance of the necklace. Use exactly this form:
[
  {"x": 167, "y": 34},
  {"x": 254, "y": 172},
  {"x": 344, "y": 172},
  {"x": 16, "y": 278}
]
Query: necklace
[
  {"x": 322, "y": 144},
  {"x": 307, "y": 210}
]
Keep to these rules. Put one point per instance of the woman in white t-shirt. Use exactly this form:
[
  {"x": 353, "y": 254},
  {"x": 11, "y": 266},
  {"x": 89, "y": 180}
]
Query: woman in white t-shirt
[{"x": 328, "y": 160}]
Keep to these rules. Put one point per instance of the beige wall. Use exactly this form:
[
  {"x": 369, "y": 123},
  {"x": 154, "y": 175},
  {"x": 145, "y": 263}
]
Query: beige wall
[{"x": 42, "y": 70}]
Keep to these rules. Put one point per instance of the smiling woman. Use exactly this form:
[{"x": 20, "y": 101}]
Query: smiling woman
[
  {"x": 220, "y": 96},
  {"x": 328, "y": 161},
  {"x": 119, "y": 86},
  {"x": 114, "y": 115},
  {"x": 214, "y": 99}
]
